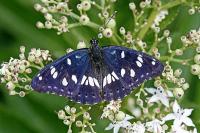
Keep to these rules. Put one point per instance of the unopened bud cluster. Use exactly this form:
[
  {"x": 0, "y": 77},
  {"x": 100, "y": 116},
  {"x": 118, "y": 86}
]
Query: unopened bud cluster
[
  {"x": 15, "y": 74},
  {"x": 70, "y": 115}
]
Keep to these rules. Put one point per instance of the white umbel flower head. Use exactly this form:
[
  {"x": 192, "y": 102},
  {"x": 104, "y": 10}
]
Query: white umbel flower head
[{"x": 180, "y": 116}]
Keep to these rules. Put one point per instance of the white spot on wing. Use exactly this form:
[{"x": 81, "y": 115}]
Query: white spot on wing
[
  {"x": 153, "y": 62},
  {"x": 113, "y": 74},
  {"x": 53, "y": 70},
  {"x": 140, "y": 59},
  {"x": 96, "y": 82},
  {"x": 74, "y": 78},
  {"x": 122, "y": 54},
  {"x": 86, "y": 82},
  {"x": 104, "y": 81},
  {"x": 109, "y": 79},
  {"x": 122, "y": 72},
  {"x": 139, "y": 64},
  {"x": 91, "y": 82},
  {"x": 69, "y": 61},
  {"x": 40, "y": 78},
  {"x": 55, "y": 75},
  {"x": 132, "y": 73},
  {"x": 64, "y": 82},
  {"x": 83, "y": 79},
  {"x": 113, "y": 79}
]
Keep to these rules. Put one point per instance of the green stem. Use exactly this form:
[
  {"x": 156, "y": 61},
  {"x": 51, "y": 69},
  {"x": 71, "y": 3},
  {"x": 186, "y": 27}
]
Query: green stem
[
  {"x": 153, "y": 14},
  {"x": 150, "y": 21},
  {"x": 172, "y": 4},
  {"x": 90, "y": 24}
]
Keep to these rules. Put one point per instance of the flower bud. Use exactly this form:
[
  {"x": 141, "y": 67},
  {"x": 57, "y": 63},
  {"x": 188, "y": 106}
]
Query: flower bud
[
  {"x": 66, "y": 122},
  {"x": 79, "y": 7},
  {"x": 12, "y": 92},
  {"x": 84, "y": 19},
  {"x": 179, "y": 52},
  {"x": 61, "y": 114},
  {"x": 22, "y": 94},
  {"x": 73, "y": 110},
  {"x": 178, "y": 92},
  {"x": 86, "y": 5},
  {"x": 67, "y": 109},
  {"x": 169, "y": 40},
  {"x": 48, "y": 25},
  {"x": 142, "y": 4},
  {"x": 37, "y": 7},
  {"x": 100, "y": 35},
  {"x": 111, "y": 23},
  {"x": 166, "y": 33},
  {"x": 48, "y": 16},
  {"x": 195, "y": 69},
  {"x": 10, "y": 85},
  {"x": 22, "y": 49},
  {"x": 107, "y": 33},
  {"x": 132, "y": 6},
  {"x": 177, "y": 72},
  {"x": 39, "y": 25},
  {"x": 81, "y": 45},
  {"x": 79, "y": 124},
  {"x": 86, "y": 115},
  {"x": 43, "y": 10},
  {"x": 197, "y": 59},
  {"x": 191, "y": 11},
  {"x": 136, "y": 112},
  {"x": 185, "y": 86},
  {"x": 122, "y": 30},
  {"x": 120, "y": 116}
]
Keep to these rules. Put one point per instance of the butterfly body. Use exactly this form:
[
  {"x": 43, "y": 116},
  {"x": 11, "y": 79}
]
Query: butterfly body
[{"x": 92, "y": 75}]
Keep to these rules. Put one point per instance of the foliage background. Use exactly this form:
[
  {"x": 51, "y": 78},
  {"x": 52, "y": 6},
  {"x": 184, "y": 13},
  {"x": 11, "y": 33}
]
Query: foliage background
[{"x": 36, "y": 112}]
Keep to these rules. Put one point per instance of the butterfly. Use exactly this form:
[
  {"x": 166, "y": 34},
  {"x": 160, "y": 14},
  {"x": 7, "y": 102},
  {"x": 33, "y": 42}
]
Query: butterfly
[{"x": 96, "y": 74}]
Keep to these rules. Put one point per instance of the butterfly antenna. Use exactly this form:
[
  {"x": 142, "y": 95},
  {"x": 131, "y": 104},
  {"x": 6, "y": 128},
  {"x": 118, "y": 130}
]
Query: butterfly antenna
[{"x": 111, "y": 17}]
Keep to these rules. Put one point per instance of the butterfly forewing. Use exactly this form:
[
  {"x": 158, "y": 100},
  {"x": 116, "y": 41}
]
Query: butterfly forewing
[
  {"x": 63, "y": 77},
  {"x": 131, "y": 67}
]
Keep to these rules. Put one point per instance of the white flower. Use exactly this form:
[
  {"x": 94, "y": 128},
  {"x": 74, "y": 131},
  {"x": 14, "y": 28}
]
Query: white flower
[
  {"x": 155, "y": 126},
  {"x": 111, "y": 108},
  {"x": 179, "y": 116},
  {"x": 182, "y": 129},
  {"x": 161, "y": 16},
  {"x": 136, "y": 128},
  {"x": 159, "y": 95},
  {"x": 117, "y": 125}
]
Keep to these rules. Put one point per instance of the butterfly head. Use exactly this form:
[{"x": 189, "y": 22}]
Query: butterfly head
[{"x": 94, "y": 43}]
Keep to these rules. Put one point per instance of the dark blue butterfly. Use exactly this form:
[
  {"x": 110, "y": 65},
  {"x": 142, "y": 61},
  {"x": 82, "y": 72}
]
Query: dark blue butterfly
[{"x": 89, "y": 76}]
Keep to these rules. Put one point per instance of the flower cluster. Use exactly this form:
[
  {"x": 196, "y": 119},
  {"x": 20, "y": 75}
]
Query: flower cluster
[
  {"x": 16, "y": 73},
  {"x": 70, "y": 115}
]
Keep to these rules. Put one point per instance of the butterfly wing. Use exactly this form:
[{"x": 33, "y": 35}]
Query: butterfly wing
[
  {"x": 131, "y": 69},
  {"x": 64, "y": 77}
]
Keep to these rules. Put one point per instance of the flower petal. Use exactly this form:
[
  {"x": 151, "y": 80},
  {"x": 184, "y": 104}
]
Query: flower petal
[
  {"x": 150, "y": 90},
  {"x": 169, "y": 93},
  {"x": 164, "y": 101},
  {"x": 176, "y": 107},
  {"x": 177, "y": 123},
  {"x": 109, "y": 127},
  {"x": 169, "y": 117},
  {"x": 188, "y": 121},
  {"x": 187, "y": 112},
  {"x": 128, "y": 117},
  {"x": 116, "y": 128},
  {"x": 153, "y": 99}
]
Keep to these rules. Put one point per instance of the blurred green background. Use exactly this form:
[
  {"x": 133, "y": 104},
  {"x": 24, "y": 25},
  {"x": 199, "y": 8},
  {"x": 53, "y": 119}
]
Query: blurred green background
[{"x": 36, "y": 112}]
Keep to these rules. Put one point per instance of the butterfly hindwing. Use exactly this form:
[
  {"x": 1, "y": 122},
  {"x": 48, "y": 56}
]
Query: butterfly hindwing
[
  {"x": 63, "y": 77},
  {"x": 131, "y": 67}
]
